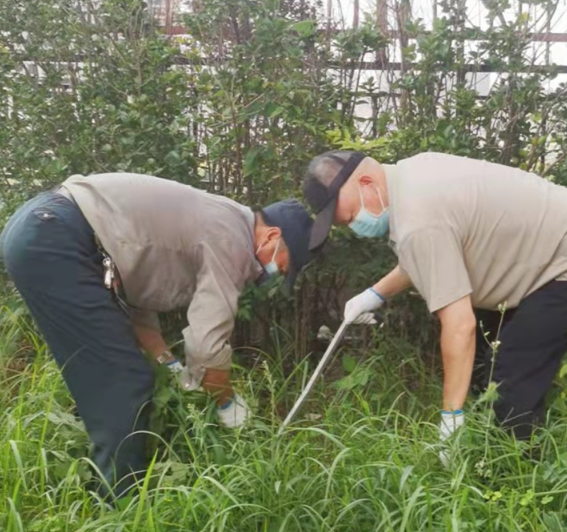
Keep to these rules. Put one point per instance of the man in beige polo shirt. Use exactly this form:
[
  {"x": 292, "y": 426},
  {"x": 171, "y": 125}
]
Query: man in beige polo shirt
[
  {"x": 473, "y": 237},
  {"x": 97, "y": 260}
]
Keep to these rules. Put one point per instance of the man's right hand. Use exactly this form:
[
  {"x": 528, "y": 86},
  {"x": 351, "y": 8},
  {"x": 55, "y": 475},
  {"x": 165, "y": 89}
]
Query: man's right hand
[
  {"x": 450, "y": 423},
  {"x": 359, "y": 308}
]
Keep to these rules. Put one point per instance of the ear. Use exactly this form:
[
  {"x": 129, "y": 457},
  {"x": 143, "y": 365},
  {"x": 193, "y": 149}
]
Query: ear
[{"x": 274, "y": 233}]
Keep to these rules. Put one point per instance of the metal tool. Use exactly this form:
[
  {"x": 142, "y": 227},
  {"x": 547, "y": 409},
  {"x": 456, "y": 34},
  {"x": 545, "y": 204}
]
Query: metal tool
[
  {"x": 108, "y": 266},
  {"x": 318, "y": 370},
  {"x": 323, "y": 334}
]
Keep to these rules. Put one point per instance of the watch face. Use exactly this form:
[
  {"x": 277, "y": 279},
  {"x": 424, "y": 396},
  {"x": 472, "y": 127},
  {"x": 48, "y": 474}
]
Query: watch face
[{"x": 164, "y": 357}]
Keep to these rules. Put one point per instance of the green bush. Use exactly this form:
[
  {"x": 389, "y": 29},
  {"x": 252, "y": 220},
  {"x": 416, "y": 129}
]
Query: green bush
[{"x": 238, "y": 106}]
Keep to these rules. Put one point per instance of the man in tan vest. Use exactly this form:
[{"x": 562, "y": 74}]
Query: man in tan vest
[
  {"x": 98, "y": 259},
  {"x": 473, "y": 238}
]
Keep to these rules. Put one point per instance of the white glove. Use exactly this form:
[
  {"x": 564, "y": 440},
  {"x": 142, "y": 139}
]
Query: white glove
[
  {"x": 359, "y": 309},
  {"x": 175, "y": 366},
  {"x": 366, "y": 319},
  {"x": 450, "y": 423},
  {"x": 235, "y": 413},
  {"x": 188, "y": 382}
]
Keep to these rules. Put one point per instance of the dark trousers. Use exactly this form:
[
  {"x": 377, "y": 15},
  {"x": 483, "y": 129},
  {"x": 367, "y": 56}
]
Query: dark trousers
[
  {"x": 533, "y": 341},
  {"x": 49, "y": 251}
]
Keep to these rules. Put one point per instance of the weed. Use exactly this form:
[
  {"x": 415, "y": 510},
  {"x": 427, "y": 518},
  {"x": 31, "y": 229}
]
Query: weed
[{"x": 361, "y": 455}]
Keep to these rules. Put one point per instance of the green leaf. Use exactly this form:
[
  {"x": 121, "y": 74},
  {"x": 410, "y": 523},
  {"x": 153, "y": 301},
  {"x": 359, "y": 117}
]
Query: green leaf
[
  {"x": 272, "y": 110},
  {"x": 251, "y": 161},
  {"x": 349, "y": 363},
  {"x": 347, "y": 383},
  {"x": 527, "y": 498},
  {"x": 304, "y": 28},
  {"x": 547, "y": 499},
  {"x": 363, "y": 377},
  {"x": 173, "y": 157}
]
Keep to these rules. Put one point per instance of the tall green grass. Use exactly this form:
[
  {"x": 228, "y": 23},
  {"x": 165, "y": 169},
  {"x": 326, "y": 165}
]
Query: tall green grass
[{"x": 362, "y": 455}]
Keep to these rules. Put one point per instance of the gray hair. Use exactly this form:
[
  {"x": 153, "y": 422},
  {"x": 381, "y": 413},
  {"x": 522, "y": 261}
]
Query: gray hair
[{"x": 325, "y": 167}]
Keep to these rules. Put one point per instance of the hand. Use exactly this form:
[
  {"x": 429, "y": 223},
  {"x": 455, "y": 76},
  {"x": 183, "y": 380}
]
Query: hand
[
  {"x": 174, "y": 366},
  {"x": 450, "y": 423},
  {"x": 358, "y": 308},
  {"x": 170, "y": 362},
  {"x": 188, "y": 382},
  {"x": 235, "y": 413}
]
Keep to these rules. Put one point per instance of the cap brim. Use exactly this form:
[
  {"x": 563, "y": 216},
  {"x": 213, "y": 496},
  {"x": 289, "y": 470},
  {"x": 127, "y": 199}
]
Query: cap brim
[{"x": 322, "y": 225}]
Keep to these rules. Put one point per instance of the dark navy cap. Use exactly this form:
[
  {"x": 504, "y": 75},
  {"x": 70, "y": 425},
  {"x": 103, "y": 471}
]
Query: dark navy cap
[{"x": 295, "y": 223}]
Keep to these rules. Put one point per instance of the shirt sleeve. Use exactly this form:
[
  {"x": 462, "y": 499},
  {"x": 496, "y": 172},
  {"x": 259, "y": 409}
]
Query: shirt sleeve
[
  {"x": 433, "y": 259},
  {"x": 144, "y": 318},
  {"x": 212, "y": 311}
]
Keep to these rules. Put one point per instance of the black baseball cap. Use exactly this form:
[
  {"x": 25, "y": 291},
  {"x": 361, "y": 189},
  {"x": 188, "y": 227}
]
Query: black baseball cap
[
  {"x": 325, "y": 176},
  {"x": 296, "y": 224}
]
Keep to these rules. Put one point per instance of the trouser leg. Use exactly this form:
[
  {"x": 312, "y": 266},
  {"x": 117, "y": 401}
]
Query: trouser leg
[
  {"x": 532, "y": 346},
  {"x": 489, "y": 323},
  {"x": 49, "y": 251}
]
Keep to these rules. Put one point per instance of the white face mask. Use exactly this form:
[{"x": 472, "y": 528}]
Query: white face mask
[{"x": 272, "y": 267}]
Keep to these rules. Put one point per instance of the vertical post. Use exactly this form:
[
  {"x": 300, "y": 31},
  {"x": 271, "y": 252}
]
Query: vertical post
[
  {"x": 168, "y": 16},
  {"x": 382, "y": 19},
  {"x": 355, "y": 19},
  {"x": 544, "y": 128},
  {"x": 382, "y": 15},
  {"x": 403, "y": 14},
  {"x": 403, "y": 8},
  {"x": 460, "y": 27},
  {"x": 550, "y": 12}
]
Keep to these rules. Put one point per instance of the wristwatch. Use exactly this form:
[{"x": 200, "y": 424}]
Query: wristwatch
[{"x": 165, "y": 357}]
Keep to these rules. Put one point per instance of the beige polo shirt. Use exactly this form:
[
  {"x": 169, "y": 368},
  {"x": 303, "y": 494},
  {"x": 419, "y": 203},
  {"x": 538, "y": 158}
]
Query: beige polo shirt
[
  {"x": 175, "y": 247},
  {"x": 461, "y": 226}
]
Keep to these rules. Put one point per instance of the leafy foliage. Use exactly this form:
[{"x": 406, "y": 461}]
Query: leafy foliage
[
  {"x": 238, "y": 106},
  {"x": 361, "y": 454}
]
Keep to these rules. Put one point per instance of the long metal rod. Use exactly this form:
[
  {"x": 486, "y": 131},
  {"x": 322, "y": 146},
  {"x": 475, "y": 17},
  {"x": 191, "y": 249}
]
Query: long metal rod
[{"x": 318, "y": 370}]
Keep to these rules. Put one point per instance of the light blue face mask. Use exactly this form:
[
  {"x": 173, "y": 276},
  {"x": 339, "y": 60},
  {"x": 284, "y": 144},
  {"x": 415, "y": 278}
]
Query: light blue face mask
[
  {"x": 371, "y": 225},
  {"x": 272, "y": 267}
]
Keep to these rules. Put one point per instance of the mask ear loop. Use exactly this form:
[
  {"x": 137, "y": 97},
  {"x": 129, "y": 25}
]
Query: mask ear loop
[
  {"x": 380, "y": 198},
  {"x": 277, "y": 248},
  {"x": 275, "y": 251},
  {"x": 362, "y": 200},
  {"x": 360, "y": 196}
]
